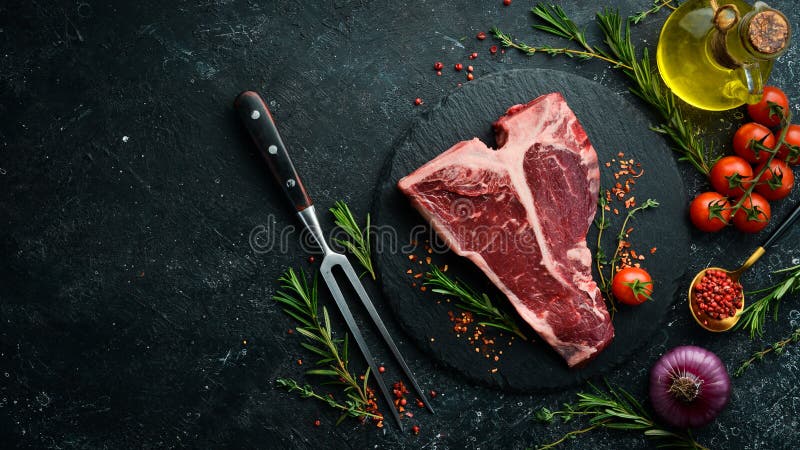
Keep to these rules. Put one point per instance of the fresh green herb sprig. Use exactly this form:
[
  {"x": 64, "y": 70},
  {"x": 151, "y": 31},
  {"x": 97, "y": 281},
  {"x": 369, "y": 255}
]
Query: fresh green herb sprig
[
  {"x": 658, "y": 5},
  {"x": 614, "y": 409},
  {"x": 299, "y": 299},
  {"x": 349, "y": 408},
  {"x": 359, "y": 242},
  {"x": 623, "y": 234},
  {"x": 778, "y": 347},
  {"x": 622, "y": 54},
  {"x": 468, "y": 299},
  {"x": 600, "y": 257},
  {"x": 754, "y": 315}
]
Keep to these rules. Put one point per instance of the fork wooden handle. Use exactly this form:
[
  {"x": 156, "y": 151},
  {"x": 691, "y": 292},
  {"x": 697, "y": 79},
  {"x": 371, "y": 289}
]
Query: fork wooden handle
[{"x": 259, "y": 123}]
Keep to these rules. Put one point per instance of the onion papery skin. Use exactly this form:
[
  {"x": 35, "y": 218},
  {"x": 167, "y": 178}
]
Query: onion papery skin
[{"x": 697, "y": 363}]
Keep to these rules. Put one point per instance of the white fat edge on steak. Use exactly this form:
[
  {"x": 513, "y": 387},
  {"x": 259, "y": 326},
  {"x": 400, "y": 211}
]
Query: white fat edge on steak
[
  {"x": 538, "y": 321},
  {"x": 478, "y": 156},
  {"x": 589, "y": 161}
]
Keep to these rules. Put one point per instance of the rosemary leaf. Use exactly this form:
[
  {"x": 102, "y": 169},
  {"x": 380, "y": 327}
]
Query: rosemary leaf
[
  {"x": 468, "y": 299},
  {"x": 657, "y": 6},
  {"x": 778, "y": 348},
  {"x": 358, "y": 243},
  {"x": 350, "y": 408},
  {"x": 614, "y": 409},
  {"x": 621, "y": 53},
  {"x": 605, "y": 282},
  {"x": 299, "y": 299},
  {"x": 754, "y": 315}
]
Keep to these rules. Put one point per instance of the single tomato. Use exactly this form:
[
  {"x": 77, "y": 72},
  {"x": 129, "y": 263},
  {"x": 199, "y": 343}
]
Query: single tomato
[
  {"x": 731, "y": 176},
  {"x": 632, "y": 286},
  {"x": 776, "y": 182},
  {"x": 754, "y": 214},
  {"x": 747, "y": 138},
  {"x": 765, "y": 111},
  {"x": 710, "y": 211},
  {"x": 790, "y": 151}
]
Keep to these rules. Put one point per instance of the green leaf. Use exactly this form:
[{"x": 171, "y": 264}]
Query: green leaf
[{"x": 323, "y": 372}]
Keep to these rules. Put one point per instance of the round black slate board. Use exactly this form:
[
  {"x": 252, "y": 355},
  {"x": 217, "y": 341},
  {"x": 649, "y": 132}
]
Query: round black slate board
[{"x": 613, "y": 126}]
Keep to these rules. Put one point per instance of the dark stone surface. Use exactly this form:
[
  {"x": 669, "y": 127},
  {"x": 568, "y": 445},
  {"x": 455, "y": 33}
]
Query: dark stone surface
[
  {"x": 613, "y": 126},
  {"x": 134, "y": 310}
]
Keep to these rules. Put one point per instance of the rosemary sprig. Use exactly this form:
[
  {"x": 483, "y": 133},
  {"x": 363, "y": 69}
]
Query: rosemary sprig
[
  {"x": 778, "y": 347},
  {"x": 349, "y": 408},
  {"x": 600, "y": 261},
  {"x": 658, "y": 5},
  {"x": 358, "y": 244},
  {"x": 299, "y": 299},
  {"x": 614, "y": 409},
  {"x": 508, "y": 41},
  {"x": 755, "y": 315},
  {"x": 560, "y": 24},
  {"x": 649, "y": 203},
  {"x": 468, "y": 299},
  {"x": 622, "y": 54}
]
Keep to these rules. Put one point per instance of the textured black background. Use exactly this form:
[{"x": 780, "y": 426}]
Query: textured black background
[{"x": 133, "y": 310}]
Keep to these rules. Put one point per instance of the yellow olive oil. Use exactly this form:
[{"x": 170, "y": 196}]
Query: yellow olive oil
[{"x": 690, "y": 63}]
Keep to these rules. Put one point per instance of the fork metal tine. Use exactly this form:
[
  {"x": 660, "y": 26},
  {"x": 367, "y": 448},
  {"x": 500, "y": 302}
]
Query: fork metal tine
[
  {"x": 362, "y": 345},
  {"x": 373, "y": 313}
]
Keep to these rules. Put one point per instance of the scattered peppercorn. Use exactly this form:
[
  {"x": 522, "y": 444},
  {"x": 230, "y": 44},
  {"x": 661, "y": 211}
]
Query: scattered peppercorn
[
  {"x": 470, "y": 68},
  {"x": 415, "y": 429},
  {"x": 438, "y": 73},
  {"x": 474, "y": 55},
  {"x": 493, "y": 49},
  {"x": 403, "y": 402},
  {"x": 311, "y": 259},
  {"x": 317, "y": 423},
  {"x": 481, "y": 36},
  {"x": 432, "y": 393},
  {"x": 438, "y": 65},
  {"x": 381, "y": 369},
  {"x": 470, "y": 77},
  {"x": 458, "y": 67},
  {"x": 506, "y": 2},
  {"x": 417, "y": 101}
]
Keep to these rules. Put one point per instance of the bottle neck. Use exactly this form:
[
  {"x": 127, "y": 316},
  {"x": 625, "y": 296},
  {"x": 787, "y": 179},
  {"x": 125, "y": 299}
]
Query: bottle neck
[{"x": 761, "y": 35}]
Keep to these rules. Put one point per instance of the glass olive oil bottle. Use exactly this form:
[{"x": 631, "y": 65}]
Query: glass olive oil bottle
[{"x": 718, "y": 55}]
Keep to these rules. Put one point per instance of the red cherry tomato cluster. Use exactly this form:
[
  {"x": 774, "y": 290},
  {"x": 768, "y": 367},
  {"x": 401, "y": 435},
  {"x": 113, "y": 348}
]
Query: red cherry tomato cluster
[{"x": 732, "y": 177}]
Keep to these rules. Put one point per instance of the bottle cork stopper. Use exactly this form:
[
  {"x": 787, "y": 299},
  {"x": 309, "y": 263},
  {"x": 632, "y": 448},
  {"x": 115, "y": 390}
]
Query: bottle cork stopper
[{"x": 768, "y": 32}]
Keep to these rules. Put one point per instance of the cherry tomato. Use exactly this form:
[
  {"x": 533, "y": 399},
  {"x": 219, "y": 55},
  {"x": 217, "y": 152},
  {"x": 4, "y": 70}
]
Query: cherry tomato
[
  {"x": 731, "y": 176},
  {"x": 632, "y": 286},
  {"x": 790, "y": 151},
  {"x": 776, "y": 182},
  {"x": 710, "y": 211},
  {"x": 744, "y": 138},
  {"x": 762, "y": 112},
  {"x": 754, "y": 214}
]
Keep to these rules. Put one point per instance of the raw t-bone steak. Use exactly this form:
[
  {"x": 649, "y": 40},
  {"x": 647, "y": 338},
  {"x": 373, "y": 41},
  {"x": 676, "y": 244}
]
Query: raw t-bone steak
[{"x": 521, "y": 214}]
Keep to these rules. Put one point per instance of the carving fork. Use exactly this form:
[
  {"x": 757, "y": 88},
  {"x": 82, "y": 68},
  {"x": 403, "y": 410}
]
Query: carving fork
[{"x": 261, "y": 127}]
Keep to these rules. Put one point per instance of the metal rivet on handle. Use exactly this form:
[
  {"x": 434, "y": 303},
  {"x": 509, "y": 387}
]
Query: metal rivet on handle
[
  {"x": 290, "y": 183},
  {"x": 272, "y": 150},
  {"x": 255, "y": 114}
]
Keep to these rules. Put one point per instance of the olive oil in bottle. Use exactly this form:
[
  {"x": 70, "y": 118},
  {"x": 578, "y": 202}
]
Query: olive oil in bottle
[{"x": 717, "y": 55}]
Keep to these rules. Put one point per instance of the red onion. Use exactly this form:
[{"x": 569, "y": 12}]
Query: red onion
[{"x": 689, "y": 386}]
